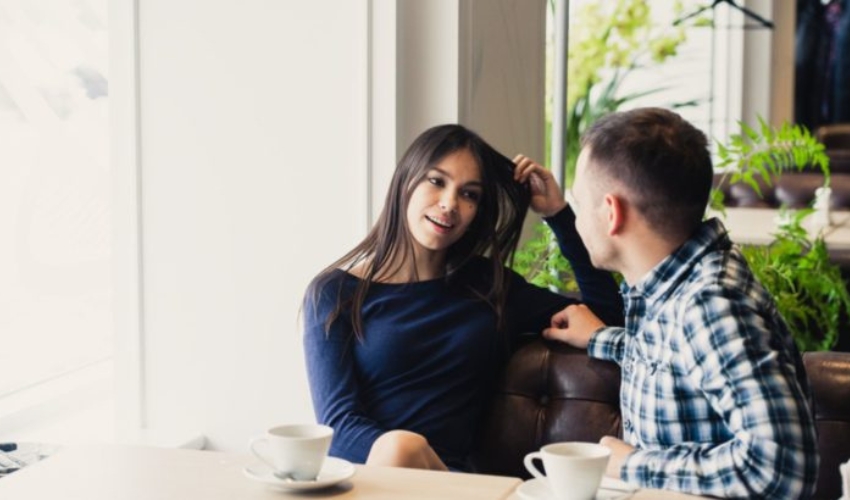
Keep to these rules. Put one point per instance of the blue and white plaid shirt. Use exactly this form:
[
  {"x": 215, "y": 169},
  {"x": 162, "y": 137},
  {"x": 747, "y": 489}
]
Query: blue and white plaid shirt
[{"x": 714, "y": 394}]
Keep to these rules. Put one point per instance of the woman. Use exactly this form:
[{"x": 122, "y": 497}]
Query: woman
[{"x": 406, "y": 334}]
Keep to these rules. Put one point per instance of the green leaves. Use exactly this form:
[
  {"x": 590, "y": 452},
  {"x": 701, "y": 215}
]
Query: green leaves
[
  {"x": 764, "y": 153},
  {"x": 541, "y": 263},
  {"x": 796, "y": 270},
  {"x": 807, "y": 287}
]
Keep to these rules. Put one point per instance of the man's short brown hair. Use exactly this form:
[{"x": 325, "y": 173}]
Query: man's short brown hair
[{"x": 661, "y": 160}]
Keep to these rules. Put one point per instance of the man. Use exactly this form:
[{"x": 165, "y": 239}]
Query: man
[{"x": 714, "y": 394}]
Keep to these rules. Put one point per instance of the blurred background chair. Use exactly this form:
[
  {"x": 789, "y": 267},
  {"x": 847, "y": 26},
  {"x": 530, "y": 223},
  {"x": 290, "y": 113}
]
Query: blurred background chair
[{"x": 836, "y": 138}]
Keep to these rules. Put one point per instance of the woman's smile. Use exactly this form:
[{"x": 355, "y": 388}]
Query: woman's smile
[
  {"x": 441, "y": 225},
  {"x": 445, "y": 202}
]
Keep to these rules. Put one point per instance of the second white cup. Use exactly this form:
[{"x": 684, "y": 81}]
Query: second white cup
[
  {"x": 294, "y": 451},
  {"x": 573, "y": 470}
]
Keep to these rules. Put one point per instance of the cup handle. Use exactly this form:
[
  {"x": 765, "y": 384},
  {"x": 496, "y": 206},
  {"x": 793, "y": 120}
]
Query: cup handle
[
  {"x": 529, "y": 464},
  {"x": 253, "y": 446}
]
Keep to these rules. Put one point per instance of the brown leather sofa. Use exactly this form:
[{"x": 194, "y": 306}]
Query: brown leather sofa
[{"x": 551, "y": 392}]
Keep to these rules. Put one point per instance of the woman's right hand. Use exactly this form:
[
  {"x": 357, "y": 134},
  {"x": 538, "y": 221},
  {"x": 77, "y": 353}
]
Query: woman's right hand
[{"x": 547, "y": 199}]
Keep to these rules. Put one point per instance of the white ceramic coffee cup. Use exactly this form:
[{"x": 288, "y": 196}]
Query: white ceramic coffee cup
[
  {"x": 294, "y": 451},
  {"x": 573, "y": 469}
]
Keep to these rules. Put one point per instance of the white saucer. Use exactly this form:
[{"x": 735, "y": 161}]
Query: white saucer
[
  {"x": 537, "y": 489},
  {"x": 334, "y": 470}
]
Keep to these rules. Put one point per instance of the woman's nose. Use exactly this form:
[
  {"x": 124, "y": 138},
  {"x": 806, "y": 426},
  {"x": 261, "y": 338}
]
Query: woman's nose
[{"x": 448, "y": 202}]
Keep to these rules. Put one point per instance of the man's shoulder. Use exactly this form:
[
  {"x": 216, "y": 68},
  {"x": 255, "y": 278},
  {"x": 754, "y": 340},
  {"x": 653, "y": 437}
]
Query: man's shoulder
[
  {"x": 726, "y": 267},
  {"x": 722, "y": 273},
  {"x": 723, "y": 291}
]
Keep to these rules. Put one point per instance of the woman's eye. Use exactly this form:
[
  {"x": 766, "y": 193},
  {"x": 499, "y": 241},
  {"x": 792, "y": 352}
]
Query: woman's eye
[
  {"x": 436, "y": 181},
  {"x": 472, "y": 195}
]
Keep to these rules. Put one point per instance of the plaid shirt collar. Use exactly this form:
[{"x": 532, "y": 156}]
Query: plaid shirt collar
[{"x": 656, "y": 286}]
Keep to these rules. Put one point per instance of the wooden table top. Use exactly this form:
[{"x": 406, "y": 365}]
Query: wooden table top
[{"x": 112, "y": 472}]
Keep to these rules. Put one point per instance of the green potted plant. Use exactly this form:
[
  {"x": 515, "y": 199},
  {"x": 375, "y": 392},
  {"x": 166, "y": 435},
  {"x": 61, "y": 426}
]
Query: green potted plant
[
  {"x": 795, "y": 268},
  {"x": 808, "y": 288}
]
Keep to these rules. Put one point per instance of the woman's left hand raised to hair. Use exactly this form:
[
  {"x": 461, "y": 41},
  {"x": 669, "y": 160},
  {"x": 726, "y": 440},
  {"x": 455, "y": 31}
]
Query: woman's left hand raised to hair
[{"x": 547, "y": 199}]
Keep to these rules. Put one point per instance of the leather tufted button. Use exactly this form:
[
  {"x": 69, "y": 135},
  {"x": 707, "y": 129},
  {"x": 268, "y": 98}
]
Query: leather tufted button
[{"x": 544, "y": 400}]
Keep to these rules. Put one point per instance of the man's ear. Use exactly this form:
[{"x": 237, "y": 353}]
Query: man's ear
[{"x": 616, "y": 213}]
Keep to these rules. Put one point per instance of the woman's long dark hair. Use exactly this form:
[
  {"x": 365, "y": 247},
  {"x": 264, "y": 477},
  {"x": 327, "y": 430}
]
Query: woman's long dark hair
[{"x": 493, "y": 233}]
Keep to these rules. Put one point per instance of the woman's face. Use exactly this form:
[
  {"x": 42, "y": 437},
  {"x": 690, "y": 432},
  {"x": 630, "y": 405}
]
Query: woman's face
[{"x": 445, "y": 202}]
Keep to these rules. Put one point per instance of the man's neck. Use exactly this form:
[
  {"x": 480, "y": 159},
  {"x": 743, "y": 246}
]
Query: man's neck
[{"x": 643, "y": 252}]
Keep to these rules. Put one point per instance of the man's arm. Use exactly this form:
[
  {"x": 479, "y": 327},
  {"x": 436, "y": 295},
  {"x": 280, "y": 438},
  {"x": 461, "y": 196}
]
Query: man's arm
[
  {"x": 752, "y": 386},
  {"x": 578, "y": 326}
]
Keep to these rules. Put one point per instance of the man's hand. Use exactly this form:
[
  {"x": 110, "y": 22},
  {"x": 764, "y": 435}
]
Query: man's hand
[
  {"x": 574, "y": 325},
  {"x": 547, "y": 199},
  {"x": 619, "y": 451}
]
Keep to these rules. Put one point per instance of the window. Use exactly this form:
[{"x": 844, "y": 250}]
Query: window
[{"x": 55, "y": 227}]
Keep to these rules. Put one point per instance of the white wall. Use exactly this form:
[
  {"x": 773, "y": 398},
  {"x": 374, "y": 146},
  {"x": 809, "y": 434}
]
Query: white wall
[
  {"x": 252, "y": 177},
  {"x": 252, "y": 138}
]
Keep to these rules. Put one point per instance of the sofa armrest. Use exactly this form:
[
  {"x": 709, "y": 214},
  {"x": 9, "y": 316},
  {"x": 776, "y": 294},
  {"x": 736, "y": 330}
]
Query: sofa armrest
[{"x": 829, "y": 376}]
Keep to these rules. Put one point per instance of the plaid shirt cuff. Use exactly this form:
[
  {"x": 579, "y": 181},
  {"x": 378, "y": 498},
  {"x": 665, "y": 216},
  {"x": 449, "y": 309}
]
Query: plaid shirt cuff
[{"x": 607, "y": 343}]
